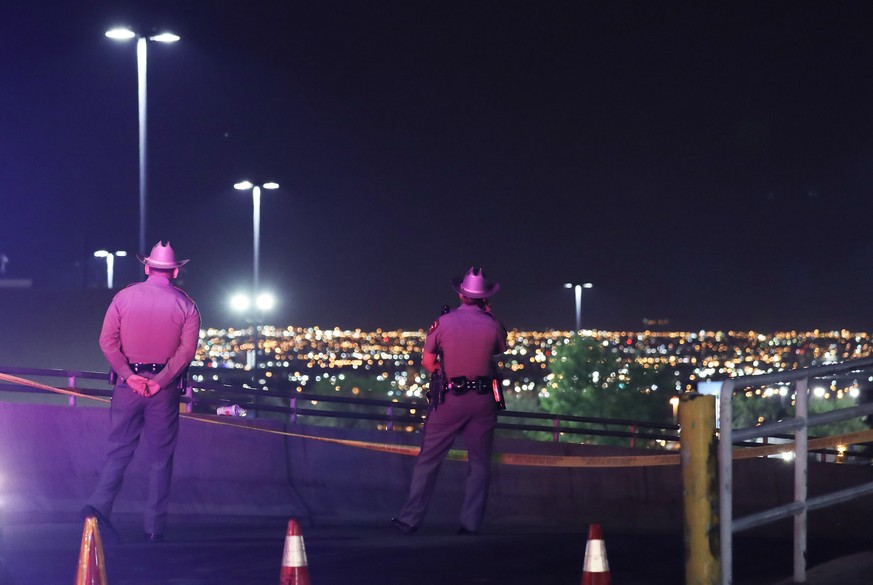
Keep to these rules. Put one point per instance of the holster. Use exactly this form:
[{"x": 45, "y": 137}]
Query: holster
[
  {"x": 182, "y": 381},
  {"x": 436, "y": 393}
]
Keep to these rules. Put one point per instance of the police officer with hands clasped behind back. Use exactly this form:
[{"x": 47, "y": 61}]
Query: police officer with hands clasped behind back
[
  {"x": 458, "y": 351},
  {"x": 149, "y": 337}
]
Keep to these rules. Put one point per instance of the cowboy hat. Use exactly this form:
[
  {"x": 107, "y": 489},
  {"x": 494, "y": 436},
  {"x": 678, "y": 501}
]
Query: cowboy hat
[
  {"x": 162, "y": 256},
  {"x": 475, "y": 285}
]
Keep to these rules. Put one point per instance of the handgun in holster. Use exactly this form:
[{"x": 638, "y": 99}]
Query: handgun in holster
[
  {"x": 439, "y": 384},
  {"x": 436, "y": 393},
  {"x": 182, "y": 381}
]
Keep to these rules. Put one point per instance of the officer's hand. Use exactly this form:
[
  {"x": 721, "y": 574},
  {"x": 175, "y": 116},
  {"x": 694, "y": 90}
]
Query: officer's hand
[
  {"x": 152, "y": 388},
  {"x": 138, "y": 384}
]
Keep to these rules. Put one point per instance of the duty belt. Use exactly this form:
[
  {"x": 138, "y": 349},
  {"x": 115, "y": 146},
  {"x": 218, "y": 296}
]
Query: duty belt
[
  {"x": 461, "y": 385},
  {"x": 153, "y": 368}
]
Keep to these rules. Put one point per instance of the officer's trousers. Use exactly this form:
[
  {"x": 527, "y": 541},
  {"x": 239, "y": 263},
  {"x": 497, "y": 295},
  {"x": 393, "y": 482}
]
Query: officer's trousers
[
  {"x": 473, "y": 417},
  {"x": 156, "y": 420}
]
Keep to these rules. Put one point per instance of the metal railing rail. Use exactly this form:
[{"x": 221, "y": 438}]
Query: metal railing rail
[
  {"x": 72, "y": 376},
  {"x": 213, "y": 394},
  {"x": 800, "y": 424}
]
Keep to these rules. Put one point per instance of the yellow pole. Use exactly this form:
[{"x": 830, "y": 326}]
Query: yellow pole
[{"x": 699, "y": 456}]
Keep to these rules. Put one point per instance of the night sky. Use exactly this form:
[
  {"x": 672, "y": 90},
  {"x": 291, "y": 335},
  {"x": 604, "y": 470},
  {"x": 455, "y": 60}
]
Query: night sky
[{"x": 710, "y": 164}]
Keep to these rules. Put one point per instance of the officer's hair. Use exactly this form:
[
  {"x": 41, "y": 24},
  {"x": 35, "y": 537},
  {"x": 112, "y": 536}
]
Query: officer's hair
[
  {"x": 481, "y": 303},
  {"x": 168, "y": 272}
]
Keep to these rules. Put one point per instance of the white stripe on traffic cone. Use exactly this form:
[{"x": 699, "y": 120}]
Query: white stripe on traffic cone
[
  {"x": 294, "y": 567},
  {"x": 596, "y": 568}
]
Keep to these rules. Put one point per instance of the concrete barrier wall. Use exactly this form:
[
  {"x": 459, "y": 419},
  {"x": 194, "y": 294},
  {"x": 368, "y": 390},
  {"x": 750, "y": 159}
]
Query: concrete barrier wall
[{"x": 50, "y": 457}]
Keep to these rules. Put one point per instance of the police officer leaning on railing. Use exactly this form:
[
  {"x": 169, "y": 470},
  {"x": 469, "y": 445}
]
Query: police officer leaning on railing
[{"x": 459, "y": 348}]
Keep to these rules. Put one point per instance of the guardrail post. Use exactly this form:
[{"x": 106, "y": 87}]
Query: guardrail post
[
  {"x": 725, "y": 478},
  {"x": 556, "y": 434},
  {"x": 390, "y": 423},
  {"x": 698, "y": 449},
  {"x": 71, "y": 384},
  {"x": 633, "y": 432},
  {"x": 293, "y": 406},
  {"x": 801, "y": 466},
  {"x": 189, "y": 392}
]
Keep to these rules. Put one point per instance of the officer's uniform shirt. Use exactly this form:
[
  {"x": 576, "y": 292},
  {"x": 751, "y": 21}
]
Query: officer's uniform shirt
[
  {"x": 467, "y": 337},
  {"x": 151, "y": 322}
]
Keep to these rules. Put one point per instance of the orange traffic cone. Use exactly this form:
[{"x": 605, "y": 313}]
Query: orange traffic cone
[
  {"x": 596, "y": 569},
  {"x": 294, "y": 568},
  {"x": 92, "y": 569}
]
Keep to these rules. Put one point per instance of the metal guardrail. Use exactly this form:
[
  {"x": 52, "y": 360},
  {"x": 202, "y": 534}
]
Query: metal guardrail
[
  {"x": 207, "y": 396},
  {"x": 800, "y": 424}
]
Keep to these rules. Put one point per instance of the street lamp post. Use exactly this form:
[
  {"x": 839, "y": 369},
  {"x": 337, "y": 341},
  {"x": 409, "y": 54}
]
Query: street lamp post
[
  {"x": 260, "y": 302},
  {"x": 110, "y": 264},
  {"x": 577, "y": 287},
  {"x": 256, "y": 225},
  {"x": 124, "y": 34},
  {"x": 252, "y": 308}
]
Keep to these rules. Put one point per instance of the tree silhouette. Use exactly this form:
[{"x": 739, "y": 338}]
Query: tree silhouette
[{"x": 595, "y": 378}]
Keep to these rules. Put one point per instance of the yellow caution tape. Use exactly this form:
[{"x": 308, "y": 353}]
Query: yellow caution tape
[
  {"x": 24, "y": 382},
  {"x": 818, "y": 443},
  {"x": 504, "y": 458},
  {"x": 579, "y": 461}
]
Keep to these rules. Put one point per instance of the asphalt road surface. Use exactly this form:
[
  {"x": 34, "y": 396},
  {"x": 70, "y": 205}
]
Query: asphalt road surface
[{"x": 249, "y": 552}]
